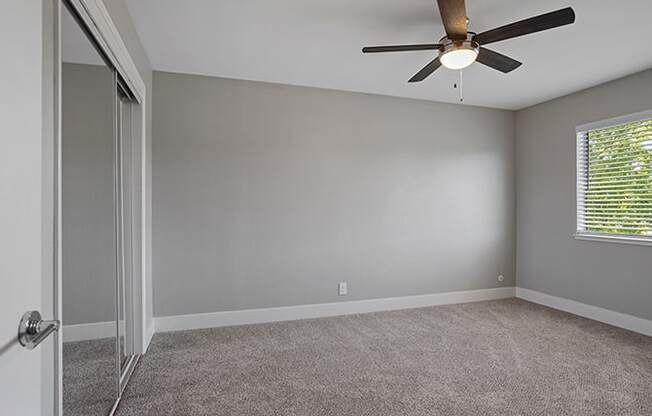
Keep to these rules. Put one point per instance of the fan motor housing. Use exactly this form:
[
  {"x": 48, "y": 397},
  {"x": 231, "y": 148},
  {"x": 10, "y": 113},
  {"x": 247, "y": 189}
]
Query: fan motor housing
[{"x": 448, "y": 44}]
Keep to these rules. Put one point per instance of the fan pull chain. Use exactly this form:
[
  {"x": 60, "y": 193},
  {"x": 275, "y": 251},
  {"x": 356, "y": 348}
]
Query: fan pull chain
[{"x": 461, "y": 87}]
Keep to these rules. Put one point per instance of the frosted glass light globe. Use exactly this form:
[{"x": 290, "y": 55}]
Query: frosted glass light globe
[{"x": 458, "y": 58}]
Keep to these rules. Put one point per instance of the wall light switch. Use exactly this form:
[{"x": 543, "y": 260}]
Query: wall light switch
[{"x": 342, "y": 289}]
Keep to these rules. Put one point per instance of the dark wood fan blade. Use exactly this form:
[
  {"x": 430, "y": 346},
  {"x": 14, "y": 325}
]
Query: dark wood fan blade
[
  {"x": 426, "y": 70},
  {"x": 525, "y": 27},
  {"x": 453, "y": 15},
  {"x": 497, "y": 60},
  {"x": 401, "y": 48}
]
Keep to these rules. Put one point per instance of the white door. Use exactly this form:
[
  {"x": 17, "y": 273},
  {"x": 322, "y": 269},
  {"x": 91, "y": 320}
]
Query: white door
[{"x": 26, "y": 376}]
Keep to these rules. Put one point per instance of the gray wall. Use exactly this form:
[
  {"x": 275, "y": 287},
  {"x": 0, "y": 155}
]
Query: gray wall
[
  {"x": 267, "y": 195},
  {"x": 88, "y": 203},
  {"x": 609, "y": 275}
]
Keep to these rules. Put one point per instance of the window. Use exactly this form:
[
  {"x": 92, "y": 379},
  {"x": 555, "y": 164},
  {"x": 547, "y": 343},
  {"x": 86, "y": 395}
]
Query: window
[{"x": 614, "y": 179}]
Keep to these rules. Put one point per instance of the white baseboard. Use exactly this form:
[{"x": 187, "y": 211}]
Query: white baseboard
[
  {"x": 85, "y": 332},
  {"x": 322, "y": 310},
  {"x": 621, "y": 320}
]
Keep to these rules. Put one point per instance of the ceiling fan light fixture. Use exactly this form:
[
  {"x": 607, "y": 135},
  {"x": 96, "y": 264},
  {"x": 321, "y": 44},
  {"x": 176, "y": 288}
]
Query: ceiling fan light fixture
[
  {"x": 458, "y": 54},
  {"x": 461, "y": 47}
]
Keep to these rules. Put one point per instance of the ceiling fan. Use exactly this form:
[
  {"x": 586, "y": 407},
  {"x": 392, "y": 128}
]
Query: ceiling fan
[{"x": 460, "y": 48}]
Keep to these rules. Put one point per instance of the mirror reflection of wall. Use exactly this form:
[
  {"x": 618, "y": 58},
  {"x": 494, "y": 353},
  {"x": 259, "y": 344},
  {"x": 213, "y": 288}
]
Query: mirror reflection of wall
[
  {"x": 97, "y": 230},
  {"x": 88, "y": 220}
]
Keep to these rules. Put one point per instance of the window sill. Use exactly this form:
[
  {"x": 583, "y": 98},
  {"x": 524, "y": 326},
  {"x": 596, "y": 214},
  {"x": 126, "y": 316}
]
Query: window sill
[{"x": 641, "y": 241}]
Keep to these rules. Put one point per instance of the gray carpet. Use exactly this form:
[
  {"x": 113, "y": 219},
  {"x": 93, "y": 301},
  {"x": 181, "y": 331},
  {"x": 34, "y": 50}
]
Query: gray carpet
[
  {"x": 89, "y": 377},
  {"x": 506, "y": 357}
]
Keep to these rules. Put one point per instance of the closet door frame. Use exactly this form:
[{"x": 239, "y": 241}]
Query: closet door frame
[{"x": 99, "y": 25}]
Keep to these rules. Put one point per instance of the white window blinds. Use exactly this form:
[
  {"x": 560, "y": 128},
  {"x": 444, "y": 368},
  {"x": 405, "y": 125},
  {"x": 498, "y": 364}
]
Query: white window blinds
[{"x": 614, "y": 179}]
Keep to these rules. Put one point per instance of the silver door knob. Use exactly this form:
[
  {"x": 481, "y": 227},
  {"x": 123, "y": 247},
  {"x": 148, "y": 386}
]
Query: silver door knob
[{"x": 32, "y": 330}]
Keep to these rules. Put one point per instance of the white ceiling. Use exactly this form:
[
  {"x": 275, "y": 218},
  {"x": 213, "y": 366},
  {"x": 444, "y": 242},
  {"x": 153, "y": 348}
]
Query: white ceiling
[{"x": 317, "y": 43}]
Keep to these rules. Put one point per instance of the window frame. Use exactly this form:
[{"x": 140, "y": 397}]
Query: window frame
[{"x": 605, "y": 237}]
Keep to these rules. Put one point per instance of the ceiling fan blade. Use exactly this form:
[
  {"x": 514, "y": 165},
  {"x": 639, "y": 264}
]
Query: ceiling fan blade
[
  {"x": 426, "y": 71},
  {"x": 453, "y": 15},
  {"x": 497, "y": 60},
  {"x": 401, "y": 48},
  {"x": 525, "y": 27}
]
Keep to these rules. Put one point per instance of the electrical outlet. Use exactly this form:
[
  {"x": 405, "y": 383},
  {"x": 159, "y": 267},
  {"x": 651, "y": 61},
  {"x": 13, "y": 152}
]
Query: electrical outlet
[
  {"x": 501, "y": 277},
  {"x": 342, "y": 289}
]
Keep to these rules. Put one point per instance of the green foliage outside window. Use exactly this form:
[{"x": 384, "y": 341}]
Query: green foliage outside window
[{"x": 619, "y": 191}]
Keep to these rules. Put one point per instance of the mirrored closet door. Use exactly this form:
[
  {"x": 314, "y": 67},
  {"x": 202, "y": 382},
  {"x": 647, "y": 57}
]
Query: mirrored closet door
[
  {"x": 126, "y": 164},
  {"x": 98, "y": 226}
]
